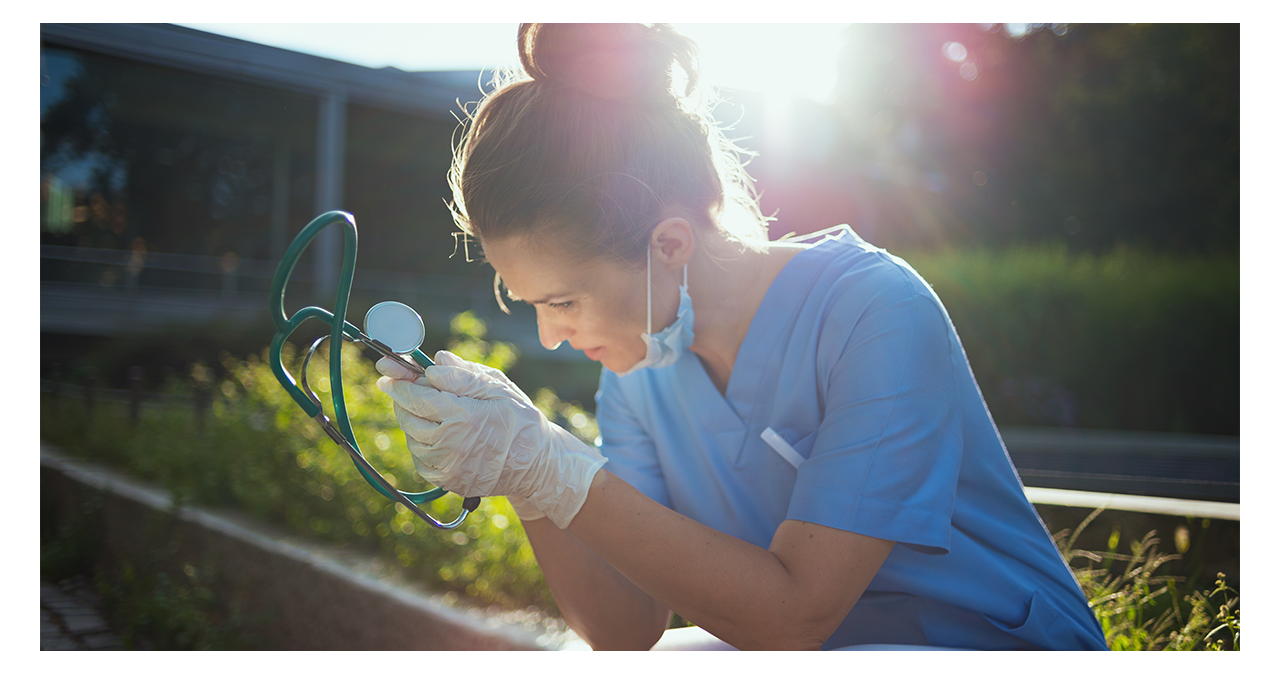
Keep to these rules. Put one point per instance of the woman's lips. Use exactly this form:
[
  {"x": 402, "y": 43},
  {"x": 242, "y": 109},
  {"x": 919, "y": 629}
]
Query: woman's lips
[{"x": 594, "y": 353}]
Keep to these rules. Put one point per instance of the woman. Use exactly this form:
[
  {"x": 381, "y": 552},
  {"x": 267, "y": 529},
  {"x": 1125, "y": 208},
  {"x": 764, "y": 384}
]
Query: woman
[{"x": 794, "y": 454}]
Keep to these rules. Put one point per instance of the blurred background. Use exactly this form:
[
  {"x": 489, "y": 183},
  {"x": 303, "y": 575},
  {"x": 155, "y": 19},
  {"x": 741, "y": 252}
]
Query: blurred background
[
  {"x": 1072, "y": 192},
  {"x": 177, "y": 164}
]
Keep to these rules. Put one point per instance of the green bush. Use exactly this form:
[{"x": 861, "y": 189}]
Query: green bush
[
  {"x": 255, "y": 449},
  {"x": 155, "y": 611},
  {"x": 1125, "y": 340}
]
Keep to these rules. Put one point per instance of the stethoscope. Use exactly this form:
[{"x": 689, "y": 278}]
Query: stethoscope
[{"x": 392, "y": 329}]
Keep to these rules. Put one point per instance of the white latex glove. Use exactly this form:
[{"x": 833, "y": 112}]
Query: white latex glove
[
  {"x": 394, "y": 370},
  {"x": 473, "y": 432},
  {"x": 390, "y": 368}
]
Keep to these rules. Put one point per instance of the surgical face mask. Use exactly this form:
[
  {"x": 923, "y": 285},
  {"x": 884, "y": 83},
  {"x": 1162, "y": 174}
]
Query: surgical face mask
[{"x": 664, "y": 349}]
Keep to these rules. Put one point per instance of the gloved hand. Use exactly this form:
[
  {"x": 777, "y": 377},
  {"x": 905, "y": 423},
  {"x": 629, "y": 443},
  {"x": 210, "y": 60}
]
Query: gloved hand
[
  {"x": 394, "y": 370},
  {"x": 473, "y": 432}
]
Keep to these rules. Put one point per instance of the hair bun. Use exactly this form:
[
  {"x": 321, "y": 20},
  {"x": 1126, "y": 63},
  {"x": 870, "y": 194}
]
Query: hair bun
[{"x": 610, "y": 61}]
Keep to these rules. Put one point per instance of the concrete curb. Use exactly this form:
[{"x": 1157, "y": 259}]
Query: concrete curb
[{"x": 312, "y": 597}]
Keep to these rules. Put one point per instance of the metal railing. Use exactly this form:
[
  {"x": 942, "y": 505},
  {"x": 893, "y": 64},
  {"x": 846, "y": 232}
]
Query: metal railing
[
  {"x": 1180, "y": 466},
  {"x": 231, "y": 269},
  {"x": 134, "y": 304}
]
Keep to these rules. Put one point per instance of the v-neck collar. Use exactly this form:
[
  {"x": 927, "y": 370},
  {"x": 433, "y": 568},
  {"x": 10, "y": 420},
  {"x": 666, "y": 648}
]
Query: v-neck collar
[{"x": 733, "y": 410}]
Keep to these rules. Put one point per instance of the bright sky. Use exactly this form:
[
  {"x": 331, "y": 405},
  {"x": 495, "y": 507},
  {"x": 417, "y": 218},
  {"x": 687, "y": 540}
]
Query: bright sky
[{"x": 797, "y": 59}]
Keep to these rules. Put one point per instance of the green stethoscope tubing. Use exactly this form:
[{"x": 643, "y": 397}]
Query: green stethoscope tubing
[{"x": 340, "y": 328}]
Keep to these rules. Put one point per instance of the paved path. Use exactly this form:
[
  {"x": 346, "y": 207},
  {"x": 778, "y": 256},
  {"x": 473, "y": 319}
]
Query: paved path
[{"x": 70, "y": 619}]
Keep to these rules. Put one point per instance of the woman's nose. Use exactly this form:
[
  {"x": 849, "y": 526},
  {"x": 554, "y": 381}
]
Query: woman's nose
[{"x": 551, "y": 333}]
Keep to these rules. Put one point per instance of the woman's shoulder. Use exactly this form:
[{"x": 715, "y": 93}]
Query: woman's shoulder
[
  {"x": 847, "y": 270},
  {"x": 859, "y": 293}
]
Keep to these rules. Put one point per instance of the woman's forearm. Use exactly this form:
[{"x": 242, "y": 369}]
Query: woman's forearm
[
  {"x": 602, "y": 606},
  {"x": 736, "y": 591}
]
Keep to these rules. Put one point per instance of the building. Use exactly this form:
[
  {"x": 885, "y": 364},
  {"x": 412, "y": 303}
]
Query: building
[{"x": 177, "y": 165}]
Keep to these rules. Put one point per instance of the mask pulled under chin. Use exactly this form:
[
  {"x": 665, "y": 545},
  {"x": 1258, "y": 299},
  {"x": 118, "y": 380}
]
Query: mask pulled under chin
[{"x": 665, "y": 348}]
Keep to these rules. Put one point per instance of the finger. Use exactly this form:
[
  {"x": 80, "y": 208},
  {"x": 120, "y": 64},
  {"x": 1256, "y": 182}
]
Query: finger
[
  {"x": 420, "y": 429},
  {"x": 385, "y": 384},
  {"x": 394, "y": 368},
  {"x": 436, "y": 454},
  {"x": 425, "y": 464},
  {"x": 430, "y": 474},
  {"x": 423, "y": 401},
  {"x": 501, "y": 377},
  {"x": 445, "y": 358},
  {"x": 448, "y": 358},
  {"x": 462, "y": 381}
]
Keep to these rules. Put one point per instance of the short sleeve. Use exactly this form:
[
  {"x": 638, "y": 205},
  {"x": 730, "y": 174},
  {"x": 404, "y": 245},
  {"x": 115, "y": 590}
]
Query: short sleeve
[
  {"x": 629, "y": 448},
  {"x": 886, "y": 457}
]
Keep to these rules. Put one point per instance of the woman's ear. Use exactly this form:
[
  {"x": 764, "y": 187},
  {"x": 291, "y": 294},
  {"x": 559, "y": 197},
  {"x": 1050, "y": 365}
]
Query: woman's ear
[{"x": 672, "y": 243}]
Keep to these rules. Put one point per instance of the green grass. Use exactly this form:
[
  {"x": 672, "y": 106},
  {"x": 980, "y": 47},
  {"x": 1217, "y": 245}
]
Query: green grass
[{"x": 1143, "y": 608}]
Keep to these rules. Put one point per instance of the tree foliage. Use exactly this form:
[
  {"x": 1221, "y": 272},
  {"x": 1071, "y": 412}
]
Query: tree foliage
[{"x": 1094, "y": 135}]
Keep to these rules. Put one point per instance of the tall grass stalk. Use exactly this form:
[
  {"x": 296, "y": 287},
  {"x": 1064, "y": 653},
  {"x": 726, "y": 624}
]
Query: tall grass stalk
[{"x": 1139, "y": 607}]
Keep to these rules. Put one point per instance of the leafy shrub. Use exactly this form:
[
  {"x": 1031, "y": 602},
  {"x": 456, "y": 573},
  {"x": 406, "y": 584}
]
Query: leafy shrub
[
  {"x": 1124, "y": 340},
  {"x": 256, "y": 449}
]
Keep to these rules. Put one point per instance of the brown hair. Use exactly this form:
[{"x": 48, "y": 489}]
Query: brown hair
[{"x": 590, "y": 147}]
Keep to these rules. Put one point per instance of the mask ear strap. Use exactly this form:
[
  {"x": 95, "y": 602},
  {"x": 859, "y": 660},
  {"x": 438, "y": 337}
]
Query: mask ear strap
[{"x": 649, "y": 286}]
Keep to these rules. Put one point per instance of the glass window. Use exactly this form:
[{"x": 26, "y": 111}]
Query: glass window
[
  {"x": 396, "y": 178},
  {"x": 396, "y": 186},
  {"x": 137, "y": 157}
]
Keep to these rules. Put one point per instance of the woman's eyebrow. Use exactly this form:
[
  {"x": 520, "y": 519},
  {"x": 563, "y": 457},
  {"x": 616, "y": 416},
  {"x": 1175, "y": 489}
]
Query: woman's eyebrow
[
  {"x": 515, "y": 298},
  {"x": 545, "y": 300}
]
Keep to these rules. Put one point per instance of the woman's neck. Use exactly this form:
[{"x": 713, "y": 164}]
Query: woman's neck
[{"x": 727, "y": 287}]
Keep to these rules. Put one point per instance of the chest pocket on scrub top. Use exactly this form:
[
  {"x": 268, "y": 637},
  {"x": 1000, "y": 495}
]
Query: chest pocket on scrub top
[{"x": 792, "y": 453}]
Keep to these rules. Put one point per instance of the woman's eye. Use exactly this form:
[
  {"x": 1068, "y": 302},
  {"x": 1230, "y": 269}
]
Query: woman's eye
[{"x": 562, "y": 305}]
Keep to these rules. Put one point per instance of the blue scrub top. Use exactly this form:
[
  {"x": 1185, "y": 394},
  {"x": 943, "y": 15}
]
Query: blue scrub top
[{"x": 853, "y": 361}]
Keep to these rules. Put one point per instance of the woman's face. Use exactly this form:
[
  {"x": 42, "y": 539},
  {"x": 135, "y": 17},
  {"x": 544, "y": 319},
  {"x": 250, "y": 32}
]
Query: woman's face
[{"x": 598, "y": 306}]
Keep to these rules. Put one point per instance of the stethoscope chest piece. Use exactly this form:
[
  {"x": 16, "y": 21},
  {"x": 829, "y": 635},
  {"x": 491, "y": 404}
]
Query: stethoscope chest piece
[{"x": 395, "y": 325}]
